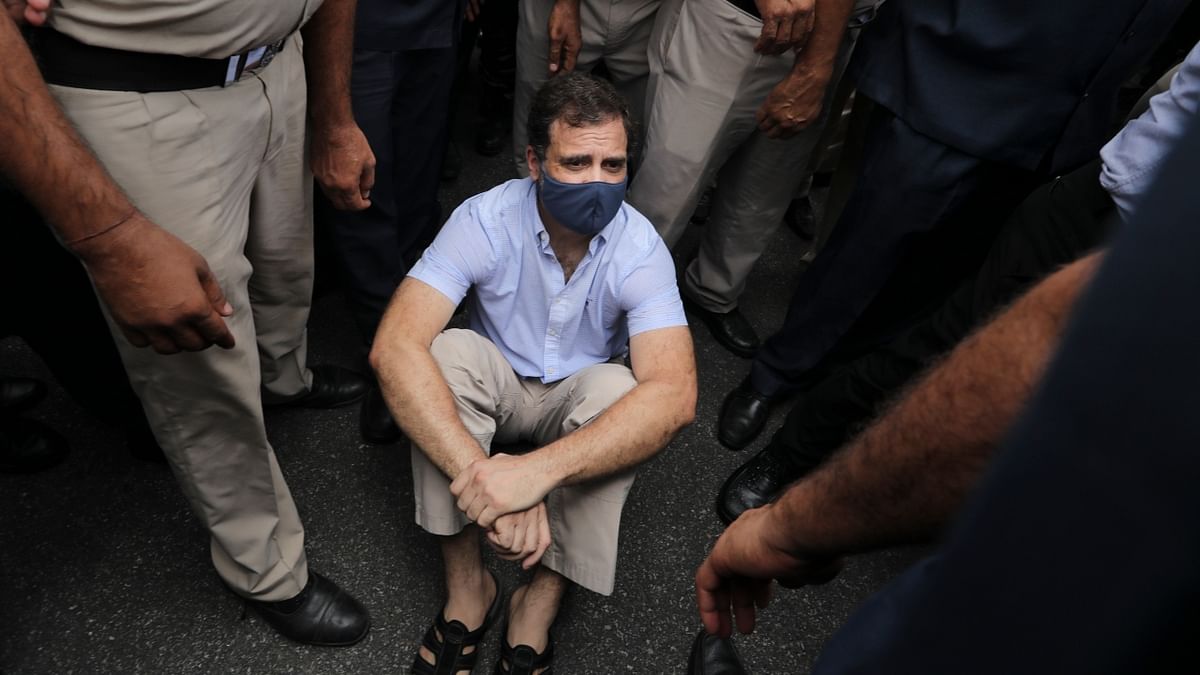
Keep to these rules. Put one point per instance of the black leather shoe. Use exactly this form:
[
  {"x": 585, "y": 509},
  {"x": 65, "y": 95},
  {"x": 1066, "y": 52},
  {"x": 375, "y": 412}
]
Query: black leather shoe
[
  {"x": 20, "y": 393},
  {"x": 322, "y": 615},
  {"x": 743, "y": 415},
  {"x": 375, "y": 420},
  {"x": 712, "y": 655},
  {"x": 332, "y": 387},
  {"x": 731, "y": 329},
  {"x": 753, "y": 484},
  {"x": 27, "y": 446}
]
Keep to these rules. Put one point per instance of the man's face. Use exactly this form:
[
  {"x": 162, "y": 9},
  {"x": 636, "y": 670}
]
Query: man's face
[{"x": 583, "y": 154}]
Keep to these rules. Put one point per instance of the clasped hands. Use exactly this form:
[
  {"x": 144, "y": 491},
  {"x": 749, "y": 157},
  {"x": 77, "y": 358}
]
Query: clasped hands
[{"x": 504, "y": 494}]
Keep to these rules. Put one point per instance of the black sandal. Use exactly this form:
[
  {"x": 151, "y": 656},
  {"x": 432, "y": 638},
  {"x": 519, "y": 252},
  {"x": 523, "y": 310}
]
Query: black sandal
[
  {"x": 522, "y": 660},
  {"x": 448, "y": 649}
]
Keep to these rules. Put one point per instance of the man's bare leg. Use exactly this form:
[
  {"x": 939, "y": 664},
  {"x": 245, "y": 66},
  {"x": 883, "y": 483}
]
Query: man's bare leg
[
  {"x": 533, "y": 609},
  {"x": 469, "y": 588}
]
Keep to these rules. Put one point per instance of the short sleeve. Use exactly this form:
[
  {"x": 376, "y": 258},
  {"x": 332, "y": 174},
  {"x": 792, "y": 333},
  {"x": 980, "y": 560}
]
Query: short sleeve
[
  {"x": 649, "y": 295},
  {"x": 461, "y": 255}
]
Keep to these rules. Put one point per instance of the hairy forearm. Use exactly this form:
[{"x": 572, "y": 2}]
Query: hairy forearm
[
  {"x": 906, "y": 476},
  {"x": 328, "y": 55},
  {"x": 44, "y": 156},
  {"x": 423, "y": 406},
  {"x": 815, "y": 60}
]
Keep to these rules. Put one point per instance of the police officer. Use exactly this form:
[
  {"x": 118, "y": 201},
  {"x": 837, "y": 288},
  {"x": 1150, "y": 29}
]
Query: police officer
[{"x": 206, "y": 241}]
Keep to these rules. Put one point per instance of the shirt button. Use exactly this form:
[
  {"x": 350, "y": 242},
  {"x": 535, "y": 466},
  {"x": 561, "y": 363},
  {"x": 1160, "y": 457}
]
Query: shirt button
[{"x": 550, "y": 371}]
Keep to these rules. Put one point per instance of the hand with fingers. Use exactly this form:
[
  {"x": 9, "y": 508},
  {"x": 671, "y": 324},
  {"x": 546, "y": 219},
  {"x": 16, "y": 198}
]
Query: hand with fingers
[
  {"x": 734, "y": 581},
  {"x": 159, "y": 290},
  {"x": 786, "y": 25},
  {"x": 31, "y": 12},
  {"x": 566, "y": 37},
  {"x": 494, "y": 486},
  {"x": 793, "y": 104},
  {"x": 343, "y": 164},
  {"x": 522, "y": 536}
]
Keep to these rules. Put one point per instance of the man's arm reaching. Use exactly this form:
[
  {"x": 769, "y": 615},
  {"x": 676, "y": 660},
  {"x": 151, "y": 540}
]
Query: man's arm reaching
[
  {"x": 157, "y": 289},
  {"x": 631, "y": 431},
  {"x": 903, "y": 479},
  {"x": 797, "y": 100},
  {"x": 342, "y": 161}
]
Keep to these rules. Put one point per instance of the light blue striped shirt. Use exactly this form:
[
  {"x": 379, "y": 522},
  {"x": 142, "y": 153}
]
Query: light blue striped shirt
[{"x": 496, "y": 244}]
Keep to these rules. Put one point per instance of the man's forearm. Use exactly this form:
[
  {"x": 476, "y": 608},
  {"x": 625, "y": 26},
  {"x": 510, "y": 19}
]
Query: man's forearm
[
  {"x": 421, "y": 401},
  {"x": 816, "y": 59},
  {"x": 905, "y": 477},
  {"x": 631, "y": 431},
  {"x": 328, "y": 55},
  {"x": 43, "y": 155},
  {"x": 638, "y": 424}
]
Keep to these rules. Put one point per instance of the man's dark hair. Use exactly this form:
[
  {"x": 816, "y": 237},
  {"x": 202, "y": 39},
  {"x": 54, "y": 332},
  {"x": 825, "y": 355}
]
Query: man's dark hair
[{"x": 579, "y": 100}]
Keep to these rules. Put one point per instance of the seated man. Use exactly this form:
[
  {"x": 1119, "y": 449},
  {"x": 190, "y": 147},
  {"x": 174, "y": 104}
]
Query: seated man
[{"x": 564, "y": 275}]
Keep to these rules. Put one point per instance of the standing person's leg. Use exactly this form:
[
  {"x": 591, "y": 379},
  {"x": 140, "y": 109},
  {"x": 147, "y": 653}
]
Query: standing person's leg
[
  {"x": 400, "y": 101},
  {"x": 419, "y": 111},
  {"x": 754, "y": 189},
  {"x": 533, "y": 59},
  {"x": 368, "y": 242},
  {"x": 696, "y": 119},
  {"x": 626, "y": 58},
  {"x": 1058, "y": 223},
  {"x": 279, "y": 242},
  {"x": 189, "y": 162},
  {"x": 497, "y": 75},
  {"x": 909, "y": 185}
]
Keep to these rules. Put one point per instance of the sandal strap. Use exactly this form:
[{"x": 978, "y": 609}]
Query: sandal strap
[
  {"x": 522, "y": 660},
  {"x": 448, "y": 649},
  {"x": 447, "y": 652}
]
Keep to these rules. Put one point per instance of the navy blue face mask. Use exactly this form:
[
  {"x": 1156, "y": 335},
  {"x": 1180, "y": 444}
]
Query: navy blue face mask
[{"x": 581, "y": 207}]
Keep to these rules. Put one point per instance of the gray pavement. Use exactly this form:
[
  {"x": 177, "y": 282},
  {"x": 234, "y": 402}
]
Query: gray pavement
[{"x": 104, "y": 570}]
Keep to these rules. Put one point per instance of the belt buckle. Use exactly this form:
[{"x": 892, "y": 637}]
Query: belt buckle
[{"x": 253, "y": 60}]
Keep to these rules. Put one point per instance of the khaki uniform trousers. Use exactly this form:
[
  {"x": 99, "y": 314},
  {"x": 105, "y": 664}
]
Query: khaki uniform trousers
[
  {"x": 495, "y": 404},
  {"x": 706, "y": 85},
  {"x": 614, "y": 32},
  {"x": 225, "y": 170}
]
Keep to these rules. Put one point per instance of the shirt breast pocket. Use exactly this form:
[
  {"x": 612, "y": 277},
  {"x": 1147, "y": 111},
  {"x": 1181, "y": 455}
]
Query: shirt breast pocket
[{"x": 602, "y": 308}]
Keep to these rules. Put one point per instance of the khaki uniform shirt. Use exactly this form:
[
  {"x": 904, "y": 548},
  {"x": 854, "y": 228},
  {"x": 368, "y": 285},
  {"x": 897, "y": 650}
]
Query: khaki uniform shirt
[{"x": 209, "y": 28}]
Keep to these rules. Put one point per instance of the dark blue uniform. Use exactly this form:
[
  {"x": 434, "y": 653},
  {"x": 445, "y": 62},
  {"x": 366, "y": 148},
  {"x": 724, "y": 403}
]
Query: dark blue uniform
[
  {"x": 404, "y": 55},
  {"x": 977, "y": 102}
]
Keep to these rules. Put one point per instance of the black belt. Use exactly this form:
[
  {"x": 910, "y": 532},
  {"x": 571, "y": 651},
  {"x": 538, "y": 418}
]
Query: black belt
[{"x": 66, "y": 61}]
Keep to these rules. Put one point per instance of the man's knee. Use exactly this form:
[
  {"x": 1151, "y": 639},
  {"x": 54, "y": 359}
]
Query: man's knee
[
  {"x": 473, "y": 368},
  {"x": 597, "y": 390},
  {"x": 456, "y": 346}
]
